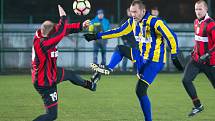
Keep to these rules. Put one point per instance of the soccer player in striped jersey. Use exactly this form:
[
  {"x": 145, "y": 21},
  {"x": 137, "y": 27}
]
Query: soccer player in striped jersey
[
  {"x": 45, "y": 73},
  {"x": 150, "y": 33},
  {"x": 203, "y": 55}
]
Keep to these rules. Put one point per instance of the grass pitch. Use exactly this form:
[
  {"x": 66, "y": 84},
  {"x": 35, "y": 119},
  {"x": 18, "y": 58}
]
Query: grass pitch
[{"x": 114, "y": 100}]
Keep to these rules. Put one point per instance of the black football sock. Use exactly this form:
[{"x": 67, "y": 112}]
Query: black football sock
[{"x": 196, "y": 102}]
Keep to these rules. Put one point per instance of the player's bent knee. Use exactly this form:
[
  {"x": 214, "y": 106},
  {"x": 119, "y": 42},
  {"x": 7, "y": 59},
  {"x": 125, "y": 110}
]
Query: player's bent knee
[
  {"x": 118, "y": 47},
  {"x": 141, "y": 93},
  {"x": 141, "y": 89},
  {"x": 185, "y": 80}
]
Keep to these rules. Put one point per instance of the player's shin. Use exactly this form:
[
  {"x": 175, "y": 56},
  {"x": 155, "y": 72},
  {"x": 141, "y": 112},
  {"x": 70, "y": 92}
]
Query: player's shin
[
  {"x": 191, "y": 91},
  {"x": 141, "y": 92},
  {"x": 115, "y": 59},
  {"x": 146, "y": 107}
]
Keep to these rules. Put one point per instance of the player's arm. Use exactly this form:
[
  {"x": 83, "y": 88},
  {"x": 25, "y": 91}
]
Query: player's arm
[
  {"x": 124, "y": 29},
  {"x": 211, "y": 32},
  {"x": 172, "y": 41},
  {"x": 56, "y": 37},
  {"x": 169, "y": 35},
  {"x": 73, "y": 28},
  {"x": 76, "y": 27}
]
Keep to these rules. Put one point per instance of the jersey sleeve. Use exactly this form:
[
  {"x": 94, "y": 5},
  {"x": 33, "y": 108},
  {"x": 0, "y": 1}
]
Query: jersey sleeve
[
  {"x": 124, "y": 29},
  {"x": 211, "y": 34},
  {"x": 73, "y": 28},
  {"x": 169, "y": 35}
]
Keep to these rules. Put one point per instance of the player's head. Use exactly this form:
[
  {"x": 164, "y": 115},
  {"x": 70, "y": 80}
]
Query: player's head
[
  {"x": 138, "y": 10},
  {"x": 155, "y": 11},
  {"x": 100, "y": 14},
  {"x": 46, "y": 27},
  {"x": 201, "y": 9}
]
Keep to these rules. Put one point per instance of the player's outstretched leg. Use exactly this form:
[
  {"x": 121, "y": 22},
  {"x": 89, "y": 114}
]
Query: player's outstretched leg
[
  {"x": 120, "y": 52},
  {"x": 141, "y": 91},
  {"x": 77, "y": 80}
]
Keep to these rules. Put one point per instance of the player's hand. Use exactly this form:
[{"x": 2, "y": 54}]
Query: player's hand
[
  {"x": 86, "y": 23},
  {"x": 61, "y": 11},
  {"x": 90, "y": 37},
  {"x": 177, "y": 63},
  {"x": 204, "y": 57}
]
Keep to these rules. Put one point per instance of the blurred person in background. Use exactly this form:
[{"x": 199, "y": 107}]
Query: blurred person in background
[
  {"x": 99, "y": 24},
  {"x": 203, "y": 55},
  {"x": 45, "y": 73},
  {"x": 155, "y": 11}
]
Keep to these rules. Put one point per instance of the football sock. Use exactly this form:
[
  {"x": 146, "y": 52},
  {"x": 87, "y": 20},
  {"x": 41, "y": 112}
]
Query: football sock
[
  {"x": 146, "y": 107},
  {"x": 196, "y": 102}
]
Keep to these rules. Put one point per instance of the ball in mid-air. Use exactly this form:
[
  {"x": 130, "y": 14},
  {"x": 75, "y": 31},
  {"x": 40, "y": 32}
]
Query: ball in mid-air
[{"x": 81, "y": 7}]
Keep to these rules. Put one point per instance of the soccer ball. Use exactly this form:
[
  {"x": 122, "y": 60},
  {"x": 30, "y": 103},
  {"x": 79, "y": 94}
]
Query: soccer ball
[{"x": 81, "y": 7}]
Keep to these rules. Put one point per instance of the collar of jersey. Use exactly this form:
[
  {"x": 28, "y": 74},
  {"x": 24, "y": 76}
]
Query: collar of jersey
[
  {"x": 205, "y": 18},
  {"x": 146, "y": 16}
]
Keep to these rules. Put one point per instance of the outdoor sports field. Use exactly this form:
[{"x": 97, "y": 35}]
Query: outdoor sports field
[{"x": 114, "y": 100}]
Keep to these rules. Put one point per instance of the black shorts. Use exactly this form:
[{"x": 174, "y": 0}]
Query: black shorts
[
  {"x": 60, "y": 74},
  {"x": 193, "y": 69},
  {"x": 49, "y": 94}
]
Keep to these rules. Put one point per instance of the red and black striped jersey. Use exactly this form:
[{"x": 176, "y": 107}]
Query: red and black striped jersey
[
  {"x": 44, "y": 52},
  {"x": 204, "y": 39}
]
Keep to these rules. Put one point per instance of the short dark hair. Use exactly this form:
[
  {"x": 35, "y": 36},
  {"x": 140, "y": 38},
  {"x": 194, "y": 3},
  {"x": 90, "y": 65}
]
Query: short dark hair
[
  {"x": 202, "y": 1},
  {"x": 140, "y": 3},
  {"x": 154, "y": 8}
]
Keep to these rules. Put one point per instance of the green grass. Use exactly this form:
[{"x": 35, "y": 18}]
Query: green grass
[{"x": 114, "y": 100}]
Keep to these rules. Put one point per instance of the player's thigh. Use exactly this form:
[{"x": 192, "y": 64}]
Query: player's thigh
[
  {"x": 125, "y": 51},
  {"x": 60, "y": 74},
  {"x": 150, "y": 71},
  {"x": 210, "y": 73},
  {"x": 191, "y": 71},
  {"x": 141, "y": 88}
]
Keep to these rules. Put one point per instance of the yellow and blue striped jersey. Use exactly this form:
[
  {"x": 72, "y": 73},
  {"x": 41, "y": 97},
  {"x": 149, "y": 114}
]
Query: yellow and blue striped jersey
[{"x": 150, "y": 34}]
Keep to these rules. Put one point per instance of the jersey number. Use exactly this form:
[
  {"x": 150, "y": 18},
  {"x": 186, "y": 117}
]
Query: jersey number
[
  {"x": 54, "y": 54},
  {"x": 54, "y": 96}
]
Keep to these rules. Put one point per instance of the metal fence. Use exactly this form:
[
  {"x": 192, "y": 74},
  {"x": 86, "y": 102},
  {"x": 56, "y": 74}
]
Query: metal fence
[{"x": 75, "y": 52}]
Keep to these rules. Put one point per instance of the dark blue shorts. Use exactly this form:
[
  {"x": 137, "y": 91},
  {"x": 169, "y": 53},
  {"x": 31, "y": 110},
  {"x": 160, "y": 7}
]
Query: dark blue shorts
[{"x": 147, "y": 70}]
